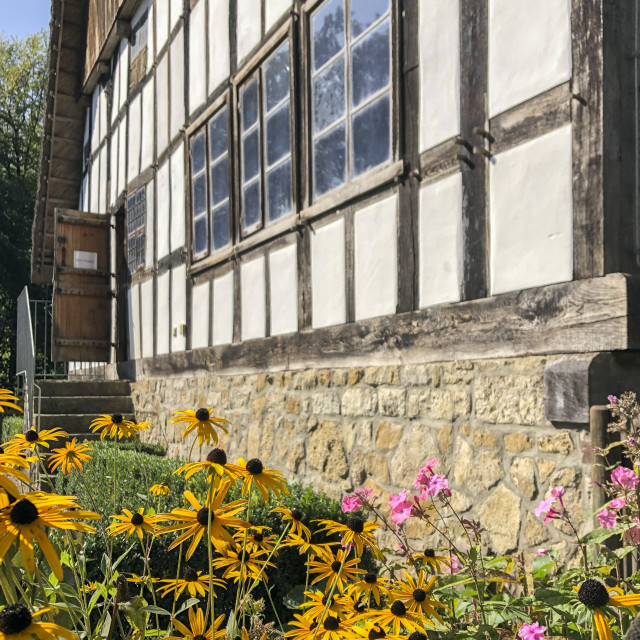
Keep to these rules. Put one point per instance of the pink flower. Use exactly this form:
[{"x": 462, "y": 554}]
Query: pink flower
[
  {"x": 624, "y": 478},
  {"x": 532, "y": 631},
  {"x": 452, "y": 563},
  {"x": 434, "y": 485},
  {"x": 612, "y": 399},
  {"x": 552, "y": 514},
  {"x": 425, "y": 472},
  {"x": 618, "y": 503},
  {"x": 400, "y": 507},
  {"x": 353, "y": 502},
  {"x": 544, "y": 506},
  {"x": 542, "y": 552},
  {"x": 607, "y": 519},
  {"x": 632, "y": 536},
  {"x": 558, "y": 492}
]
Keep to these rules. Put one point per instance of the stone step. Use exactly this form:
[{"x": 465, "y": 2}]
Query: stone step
[
  {"x": 86, "y": 404},
  {"x": 72, "y": 423},
  {"x": 77, "y": 388}
]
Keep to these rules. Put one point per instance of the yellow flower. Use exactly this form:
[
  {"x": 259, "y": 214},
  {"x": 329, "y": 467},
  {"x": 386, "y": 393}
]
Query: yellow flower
[
  {"x": 8, "y": 400},
  {"x": 316, "y": 601},
  {"x": 356, "y": 531},
  {"x": 197, "y": 630},
  {"x": 133, "y": 523},
  {"x": 32, "y": 438},
  {"x": 241, "y": 565},
  {"x": 114, "y": 426},
  {"x": 17, "y": 623},
  {"x": 264, "y": 479},
  {"x": 370, "y": 585},
  {"x": 216, "y": 465},
  {"x": 202, "y": 421},
  {"x": 30, "y": 512},
  {"x": 298, "y": 528},
  {"x": 335, "y": 572},
  {"x": 415, "y": 595},
  {"x": 323, "y": 549},
  {"x": 335, "y": 628},
  {"x": 257, "y": 540},
  {"x": 397, "y": 617},
  {"x": 430, "y": 557},
  {"x": 304, "y": 628},
  {"x": 195, "y": 582},
  {"x": 72, "y": 455},
  {"x": 8, "y": 462},
  {"x": 159, "y": 490}
]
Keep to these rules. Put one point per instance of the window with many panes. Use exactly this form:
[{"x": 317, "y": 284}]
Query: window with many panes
[
  {"x": 136, "y": 219},
  {"x": 351, "y": 109},
  {"x": 138, "y": 57}
]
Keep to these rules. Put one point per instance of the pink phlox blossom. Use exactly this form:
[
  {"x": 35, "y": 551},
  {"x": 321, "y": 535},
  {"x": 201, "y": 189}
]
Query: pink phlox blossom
[
  {"x": 632, "y": 536},
  {"x": 435, "y": 484},
  {"x": 618, "y": 503},
  {"x": 532, "y": 631},
  {"x": 612, "y": 399},
  {"x": 558, "y": 492},
  {"x": 353, "y": 501},
  {"x": 452, "y": 563},
  {"x": 607, "y": 519},
  {"x": 425, "y": 473},
  {"x": 542, "y": 552},
  {"x": 400, "y": 507},
  {"x": 624, "y": 478},
  {"x": 544, "y": 506},
  {"x": 552, "y": 514}
]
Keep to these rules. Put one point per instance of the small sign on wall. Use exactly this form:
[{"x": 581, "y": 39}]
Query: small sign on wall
[{"x": 85, "y": 260}]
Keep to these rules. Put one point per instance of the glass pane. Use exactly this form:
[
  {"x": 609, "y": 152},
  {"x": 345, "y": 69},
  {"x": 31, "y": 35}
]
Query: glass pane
[
  {"x": 372, "y": 135},
  {"x": 200, "y": 194},
  {"x": 371, "y": 68},
  {"x": 221, "y": 226},
  {"x": 330, "y": 160},
  {"x": 327, "y": 25},
  {"x": 276, "y": 74},
  {"x": 200, "y": 235},
  {"x": 278, "y": 139},
  {"x": 251, "y": 156},
  {"x": 218, "y": 135},
  {"x": 197, "y": 153},
  {"x": 279, "y": 190},
  {"x": 364, "y": 13},
  {"x": 251, "y": 205},
  {"x": 328, "y": 95},
  {"x": 220, "y": 181},
  {"x": 249, "y": 97}
]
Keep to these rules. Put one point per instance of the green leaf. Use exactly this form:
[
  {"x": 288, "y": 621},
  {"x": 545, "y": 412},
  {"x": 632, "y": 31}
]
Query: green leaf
[
  {"x": 294, "y": 598},
  {"x": 151, "y": 608},
  {"x": 187, "y": 605}
]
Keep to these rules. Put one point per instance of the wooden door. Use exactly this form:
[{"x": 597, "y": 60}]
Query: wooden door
[{"x": 82, "y": 294}]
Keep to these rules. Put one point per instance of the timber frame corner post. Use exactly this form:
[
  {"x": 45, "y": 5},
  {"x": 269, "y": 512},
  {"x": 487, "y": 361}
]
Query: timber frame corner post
[{"x": 82, "y": 293}]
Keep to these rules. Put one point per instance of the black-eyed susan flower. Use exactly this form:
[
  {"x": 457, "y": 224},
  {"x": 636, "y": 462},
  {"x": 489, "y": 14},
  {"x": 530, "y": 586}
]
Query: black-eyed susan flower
[
  {"x": 34, "y": 510},
  {"x": 113, "y": 426},
  {"x": 8, "y": 467},
  {"x": 264, "y": 479},
  {"x": 32, "y": 438},
  {"x": 8, "y": 401},
  {"x": 196, "y": 628},
  {"x": 202, "y": 422},
  {"x": 356, "y": 531},
  {"x": 216, "y": 465},
  {"x": 336, "y": 604},
  {"x": 294, "y": 516},
  {"x": 304, "y": 628},
  {"x": 159, "y": 490},
  {"x": 335, "y": 628},
  {"x": 130, "y": 523},
  {"x": 17, "y": 623},
  {"x": 397, "y": 617},
  {"x": 371, "y": 585},
  {"x": 430, "y": 557},
  {"x": 322, "y": 549},
  {"x": 195, "y": 523},
  {"x": 415, "y": 595},
  {"x": 239, "y": 564},
  {"x": 257, "y": 539},
  {"x": 336, "y": 570},
  {"x": 194, "y": 582},
  {"x": 70, "y": 456}
]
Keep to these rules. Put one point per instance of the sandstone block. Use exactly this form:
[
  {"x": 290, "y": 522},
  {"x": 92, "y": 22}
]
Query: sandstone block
[
  {"x": 339, "y": 378},
  {"x": 500, "y": 515},
  {"x": 484, "y": 438},
  {"x": 324, "y": 377},
  {"x": 510, "y": 399},
  {"x": 559, "y": 443},
  {"x": 257, "y": 407},
  {"x": 377, "y": 467},
  {"x": 414, "y": 449},
  {"x": 417, "y": 374},
  {"x": 293, "y": 404},
  {"x": 545, "y": 469},
  {"x": 325, "y": 403},
  {"x": 359, "y": 401},
  {"x": 388, "y": 435},
  {"x": 295, "y": 457},
  {"x": 326, "y": 453},
  {"x": 392, "y": 401},
  {"x": 523, "y": 476},
  {"x": 535, "y": 532},
  {"x": 457, "y": 373},
  {"x": 517, "y": 442},
  {"x": 358, "y": 468},
  {"x": 445, "y": 438},
  {"x": 261, "y": 382},
  {"x": 430, "y": 403},
  {"x": 354, "y": 376},
  {"x": 381, "y": 375}
]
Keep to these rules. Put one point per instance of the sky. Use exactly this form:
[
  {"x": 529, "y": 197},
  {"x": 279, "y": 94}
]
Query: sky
[{"x": 23, "y": 17}]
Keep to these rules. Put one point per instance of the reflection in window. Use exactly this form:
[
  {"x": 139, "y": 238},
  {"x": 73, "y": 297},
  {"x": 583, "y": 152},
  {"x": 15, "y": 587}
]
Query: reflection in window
[
  {"x": 136, "y": 218},
  {"x": 351, "y": 128}
]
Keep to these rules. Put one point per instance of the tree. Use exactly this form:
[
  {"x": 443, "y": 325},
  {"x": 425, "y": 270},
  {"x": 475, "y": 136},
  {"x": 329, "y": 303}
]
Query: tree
[{"x": 22, "y": 106}]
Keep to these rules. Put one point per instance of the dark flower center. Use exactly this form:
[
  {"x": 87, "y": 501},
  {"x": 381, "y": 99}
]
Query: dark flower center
[
  {"x": 417, "y": 635},
  {"x": 243, "y": 556},
  {"x": 360, "y": 607},
  {"x": 325, "y": 599},
  {"x": 376, "y": 633},
  {"x": 593, "y": 593},
  {"x": 31, "y": 435},
  {"x": 255, "y": 467},
  {"x": 296, "y": 514},
  {"x": 419, "y": 595},
  {"x": 15, "y": 618},
  {"x": 202, "y": 414},
  {"x": 116, "y": 418},
  {"x": 1, "y": 449},
  {"x": 331, "y": 623},
  {"x": 429, "y": 553},
  {"x": 335, "y": 566},
  {"x": 398, "y": 608},
  {"x": 258, "y": 537},
  {"x": 371, "y": 578},
  {"x": 313, "y": 625},
  {"x": 23, "y": 512},
  {"x": 137, "y": 519},
  {"x": 199, "y": 637},
  {"x": 190, "y": 575},
  {"x": 356, "y": 525},
  {"x": 217, "y": 456},
  {"x": 203, "y": 516}
]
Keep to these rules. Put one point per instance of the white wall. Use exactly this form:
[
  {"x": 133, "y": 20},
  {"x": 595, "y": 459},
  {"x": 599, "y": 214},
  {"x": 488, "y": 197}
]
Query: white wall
[
  {"x": 95, "y": 119},
  {"x": 102, "y": 197},
  {"x": 223, "y": 297},
  {"x": 376, "y": 259},
  {"x": 163, "y": 209},
  {"x": 274, "y": 10},
  {"x": 529, "y": 49},
  {"x": 176, "y": 74},
  {"x": 133, "y": 137},
  {"x": 162, "y": 102},
  {"x": 283, "y": 287},
  {"x": 197, "y": 55},
  {"x": 218, "y": 43},
  {"x": 150, "y": 228},
  {"x": 177, "y": 238},
  {"x": 178, "y": 307},
  {"x": 94, "y": 178},
  {"x": 328, "y": 284},
  {"x": 162, "y": 22},
  {"x": 146, "y": 318},
  {"x": 440, "y": 241},
  {"x": 163, "y": 314},
  {"x": 122, "y": 154},
  {"x": 200, "y": 312},
  {"x": 175, "y": 11},
  {"x": 113, "y": 169},
  {"x": 133, "y": 321},
  {"x": 124, "y": 73},
  {"x": 531, "y": 213},
  {"x": 248, "y": 26},
  {"x": 253, "y": 299},
  {"x": 148, "y": 119}
]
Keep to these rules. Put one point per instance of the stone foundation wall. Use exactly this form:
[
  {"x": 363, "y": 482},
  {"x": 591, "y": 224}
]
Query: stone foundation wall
[{"x": 345, "y": 428}]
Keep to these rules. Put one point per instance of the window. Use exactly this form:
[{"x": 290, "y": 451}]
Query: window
[
  {"x": 136, "y": 218},
  {"x": 138, "y": 39},
  {"x": 265, "y": 143},
  {"x": 351, "y": 90}
]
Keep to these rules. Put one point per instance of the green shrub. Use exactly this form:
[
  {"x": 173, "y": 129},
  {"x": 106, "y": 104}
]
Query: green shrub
[{"x": 10, "y": 426}]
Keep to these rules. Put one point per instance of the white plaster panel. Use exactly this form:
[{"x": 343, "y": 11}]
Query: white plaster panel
[
  {"x": 151, "y": 56},
  {"x": 529, "y": 49},
  {"x": 531, "y": 213},
  {"x": 103, "y": 114},
  {"x": 102, "y": 197},
  {"x": 133, "y": 162},
  {"x": 283, "y": 286},
  {"x": 175, "y": 11},
  {"x": 440, "y": 241},
  {"x": 376, "y": 259},
  {"x": 148, "y": 111},
  {"x": 113, "y": 168},
  {"x": 176, "y": 71},
  {"x": 82, "y": 204},
  {"x": 95, "y": 119},
  {"x": 94, "y": 192},
  {"x": 197, "y": 55},
  {"x": 248, "y": 26},
  {"x": 439, "y": 71},
  {"x": 87, "y": 126},
  {"x": 122, "y": 154},
  {"x": 223, "y": 302},
  {"x": 253, "y": 293},
  {"x": 162, "y": 102},
  {"x": 124, "y": 75},
  {"x": 133, "y": 312},
  {"x": 274, "y": 10},
  {"x": 177, "y": 238},
  {"x": 178, "y": 308},
  {"x": 115, "y": 98},
  {"x": 163, "y": 226},
  {"x": 163, "y": 314},
  {"x": 146, "y": 318},
  {"x": 218, "y": 43},
  {"x": 162, "y": 22},
  {"x": 200, "y": 312},
  {"x": 149, "y": 230},
  {"x": 328, "y": 283}
]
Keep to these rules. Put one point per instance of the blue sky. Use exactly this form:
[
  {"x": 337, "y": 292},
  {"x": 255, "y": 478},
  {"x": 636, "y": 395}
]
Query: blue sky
[{"x": 23, "y": 17}]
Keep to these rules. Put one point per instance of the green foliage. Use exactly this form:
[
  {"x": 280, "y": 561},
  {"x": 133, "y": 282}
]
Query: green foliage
[{"x": 10, "y": 426}]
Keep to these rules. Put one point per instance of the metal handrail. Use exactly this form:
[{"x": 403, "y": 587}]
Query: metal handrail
[{"x": 25, "y": 355}]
